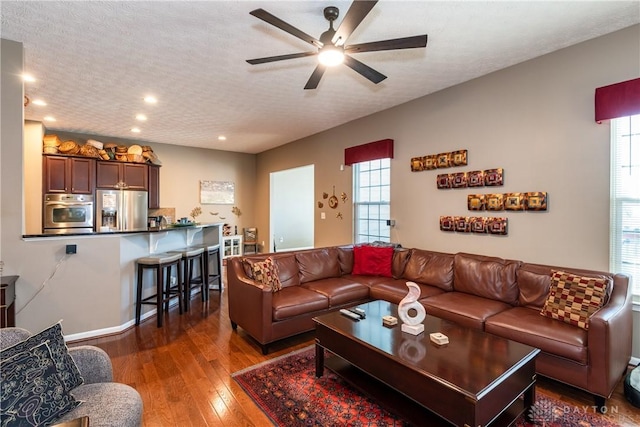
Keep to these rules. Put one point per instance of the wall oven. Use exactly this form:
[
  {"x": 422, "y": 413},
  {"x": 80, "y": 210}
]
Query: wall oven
[{"x": 67, "y": 213}]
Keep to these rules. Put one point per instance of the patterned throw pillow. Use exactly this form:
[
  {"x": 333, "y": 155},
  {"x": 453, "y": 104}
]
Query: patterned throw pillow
[
  {"x": 65, "y": 365},
  {"x": 266, "y": 273},
  {"x": 573, "y": 299},
  {"x": 32, "y": 392}
]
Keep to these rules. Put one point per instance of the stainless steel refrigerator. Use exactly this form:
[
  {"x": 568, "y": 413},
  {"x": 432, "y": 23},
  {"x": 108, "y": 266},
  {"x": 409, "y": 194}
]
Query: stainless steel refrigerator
[{"x": 121, "y": 210}]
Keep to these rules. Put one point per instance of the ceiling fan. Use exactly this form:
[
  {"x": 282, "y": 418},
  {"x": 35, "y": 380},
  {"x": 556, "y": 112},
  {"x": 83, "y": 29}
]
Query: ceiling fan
[{"x": 331, "y": 48}]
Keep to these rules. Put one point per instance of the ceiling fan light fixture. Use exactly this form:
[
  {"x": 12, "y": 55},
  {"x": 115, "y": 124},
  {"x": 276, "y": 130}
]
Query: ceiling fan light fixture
[{"x": 330, "y": 56}]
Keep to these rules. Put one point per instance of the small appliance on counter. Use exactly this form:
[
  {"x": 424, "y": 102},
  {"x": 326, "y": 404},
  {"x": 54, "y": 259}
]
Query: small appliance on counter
[
  {"x": 121, "y": 210},
  {"x": 67, "y": 213}
]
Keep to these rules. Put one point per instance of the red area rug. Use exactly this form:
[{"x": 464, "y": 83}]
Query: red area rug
[{"x": 287, "y": 390}]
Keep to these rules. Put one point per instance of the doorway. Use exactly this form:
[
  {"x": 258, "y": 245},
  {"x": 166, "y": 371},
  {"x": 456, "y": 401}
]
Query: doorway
[{"x": 291, "y": 209}]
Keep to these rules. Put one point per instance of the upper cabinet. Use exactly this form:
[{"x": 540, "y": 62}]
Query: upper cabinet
[
  {"x": 133, "y": 175},
  {"x": 154, "y": 187},
  {"x": 74, "y": 175}
]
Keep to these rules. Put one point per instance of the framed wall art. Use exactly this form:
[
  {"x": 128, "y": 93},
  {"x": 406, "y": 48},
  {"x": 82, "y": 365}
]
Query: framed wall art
[
  {"x": 443, "y": 181},
  {"x": 462, "y": 224},
  {"x": 447, "y": 223},
  {"x": 459, "y": 180},
  {"x": 475, "y": 202},
  {"x": 217, "y": 192},
  {"x": 514, "y": 201},
  {"x": 478, "y": 224},
  {"x": 497, "y": 226},
  {"x": 444, "y": 160},
  {"x": 459, "y": 158},
  {"x": 430, "y": 162},
  {"x": 475, "y": 179},
  {"x": 536, "y": 201},
  {"x": 494, "y": 202},
  {"x": 417, "y": 164},
  {"x": 493, "y": 177}
]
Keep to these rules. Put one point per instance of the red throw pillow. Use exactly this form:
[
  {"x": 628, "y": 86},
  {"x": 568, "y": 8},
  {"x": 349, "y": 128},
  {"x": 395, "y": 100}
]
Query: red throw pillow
[{"x": 372, "y": 261}]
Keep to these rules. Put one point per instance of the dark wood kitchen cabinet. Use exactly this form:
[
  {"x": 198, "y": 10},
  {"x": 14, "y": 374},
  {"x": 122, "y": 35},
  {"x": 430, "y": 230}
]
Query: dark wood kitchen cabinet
[
  {"x": 63, "y": 174},
  {"x": 133, "y": 175},
  {"x": 154, "y": 187}
]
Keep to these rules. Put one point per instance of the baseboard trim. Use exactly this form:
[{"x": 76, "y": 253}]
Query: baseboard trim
[{"x": 100, "y": 333}]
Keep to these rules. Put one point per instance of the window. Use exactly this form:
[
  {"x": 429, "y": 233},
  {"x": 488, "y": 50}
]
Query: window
[
  {"x": 625, "y": 199},
  {"x": 372, "y": 195}
]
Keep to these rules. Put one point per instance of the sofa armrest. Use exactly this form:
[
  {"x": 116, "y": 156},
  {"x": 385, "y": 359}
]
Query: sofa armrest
[
  {"x": 93, "y": 363},
  {"x": 250, "y": 302},
  {"x": 609, "y": 338}
]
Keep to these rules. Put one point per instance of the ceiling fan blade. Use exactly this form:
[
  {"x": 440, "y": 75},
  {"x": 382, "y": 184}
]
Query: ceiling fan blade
[
  {"x": 313, "y": 81},
  {"x": 364, "y": 69},
  {"x": 277, "y": 22},
  {"x": 280, "y": 57},
  {"x": 354, "y": 16},
  {"x": 402, "y": 43}
]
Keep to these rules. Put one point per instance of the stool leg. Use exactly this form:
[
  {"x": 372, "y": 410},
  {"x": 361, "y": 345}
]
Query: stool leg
[
  {"x": 159, "y": 294},
  {"x": 219, "y": 270},
  {"x": 139, "y": 294},
  {"x": 166, "y": 295},
  {"x": 187, "y": 283},
  {"x": 179, "y": 284},
  {"x": 205, "y": 279}
]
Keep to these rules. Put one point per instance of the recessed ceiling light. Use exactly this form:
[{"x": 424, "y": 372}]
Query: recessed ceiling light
[
  {"x": 141, "y": 117},
  {"x": 26, "y": 77},
  {"x": 49, "y": 119},
  {"x": 135, "y": 130},
  {"x": 222, "y": 138},
  {"x": 39, "y": 102},
  {"x": 150, "y": 99}
]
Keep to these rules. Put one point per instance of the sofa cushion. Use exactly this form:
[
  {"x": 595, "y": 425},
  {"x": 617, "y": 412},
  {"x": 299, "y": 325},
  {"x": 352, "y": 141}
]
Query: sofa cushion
[
  {"x": 286, "y": 264},
  {"x": 573, "y": 299},
  {"x": 372, "y": 260},
  {"x": 489, "y": 277},
  {"x": 345, "y": 258},
  {"x": 393, "y": 290},
  {"x": 525, "y": 325},
  {"x": 65, "y": 365},
  {"x": 339, "y": 290},
  {"x": 465, "y": 309},
  {"x": 296, "y": 300},
  {"x": 107, "y": 405},
  {"x": 430, "y": 268},
  {"x": 399, "y": 263},
  {"x": 318, "y": 264},
  {"x": 534, "y": 281},
  {"x": 33, "y": 393},
  {"x": 266, "y": 273}
]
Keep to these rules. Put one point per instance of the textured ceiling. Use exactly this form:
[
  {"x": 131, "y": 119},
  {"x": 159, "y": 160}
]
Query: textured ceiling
[{"x": 94, "y": 61}]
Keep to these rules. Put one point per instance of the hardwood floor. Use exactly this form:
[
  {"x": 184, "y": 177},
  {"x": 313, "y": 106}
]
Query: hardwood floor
[{"x": 183, "y": 370}]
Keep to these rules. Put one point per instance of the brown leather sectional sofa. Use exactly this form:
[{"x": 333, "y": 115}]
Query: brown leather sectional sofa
[{"x": 500, "y": 296}]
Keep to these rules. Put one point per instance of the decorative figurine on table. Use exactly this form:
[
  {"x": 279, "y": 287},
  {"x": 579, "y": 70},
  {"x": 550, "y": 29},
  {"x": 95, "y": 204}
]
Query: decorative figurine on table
[{"x": 412, "y": 324}]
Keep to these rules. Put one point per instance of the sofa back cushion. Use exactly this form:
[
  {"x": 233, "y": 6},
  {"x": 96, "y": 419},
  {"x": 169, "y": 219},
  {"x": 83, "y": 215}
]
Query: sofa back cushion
[
  {"x": 317, "y": 264},
  {"x": 399, "y": 263},
  {"x": 430, "y": 268},
  {"x": 488, "y": 277},
  {"x": 534, "y": 282},
  {"x": 285, "y": 263},
  {"x": 345, "y": 258}
]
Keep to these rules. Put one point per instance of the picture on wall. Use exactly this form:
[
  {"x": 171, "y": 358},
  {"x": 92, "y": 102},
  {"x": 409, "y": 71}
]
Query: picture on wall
[
  {"x": 478, "y": 224},
  {"x": 536, "y": 201},
  {"x": 462, "y": 224},
  {"x": 217, "y": 192},
  {"x": 459, "y": 158},
  {"x": 431, "y": 162},
  {"x": 493, "y": 177},
  {"x": 417, "y": 164},
  {"x": 444, "y": 160},
  {"x": 494, "y": 202},
  {"x": 475, "y": 202},
  {"x": 459, "y": 180},
  {"x": 447, "y": 223},
  {"x": 475, "y": 179},
  {"x": 514, "y": 201},
  {"x": 443, "y": 181},
  {"x": 497, "y": 226}
]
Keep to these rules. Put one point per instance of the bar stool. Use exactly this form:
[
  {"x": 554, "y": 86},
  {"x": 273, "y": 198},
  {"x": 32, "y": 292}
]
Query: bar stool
[
  {"x": 190, "y": 281},
  {"x": 162, "y": 264},
  {"x": 212, "y": 258}
]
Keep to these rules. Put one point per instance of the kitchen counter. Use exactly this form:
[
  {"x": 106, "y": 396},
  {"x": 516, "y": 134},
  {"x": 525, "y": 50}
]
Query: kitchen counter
[{"x": 110, "y": 233}]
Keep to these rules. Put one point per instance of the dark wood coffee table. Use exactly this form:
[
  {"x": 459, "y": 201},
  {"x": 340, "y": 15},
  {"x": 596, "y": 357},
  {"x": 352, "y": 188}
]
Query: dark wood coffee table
[{"x": 475, "y": 380}]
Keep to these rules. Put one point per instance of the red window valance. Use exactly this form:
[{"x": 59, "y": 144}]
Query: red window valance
[
  {"x": 382, "y": 149},
  {"x": 618, "y": 100}
]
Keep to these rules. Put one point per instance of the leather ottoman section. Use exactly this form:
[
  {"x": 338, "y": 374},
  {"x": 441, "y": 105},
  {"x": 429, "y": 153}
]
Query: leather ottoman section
[
  {"x": 338, "y": 290},
  {"x": 295, "y": 300},
  {"x": 393, "y": 290},
  {"x": 549, "y": 335},
  {"x": 465, "y": 309}
]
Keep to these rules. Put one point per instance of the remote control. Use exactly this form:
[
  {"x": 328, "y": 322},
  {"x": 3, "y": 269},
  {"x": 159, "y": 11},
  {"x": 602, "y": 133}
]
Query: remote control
[
  {"x": 358, "y": 312},
  {"x": 350, "y": 314}
]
